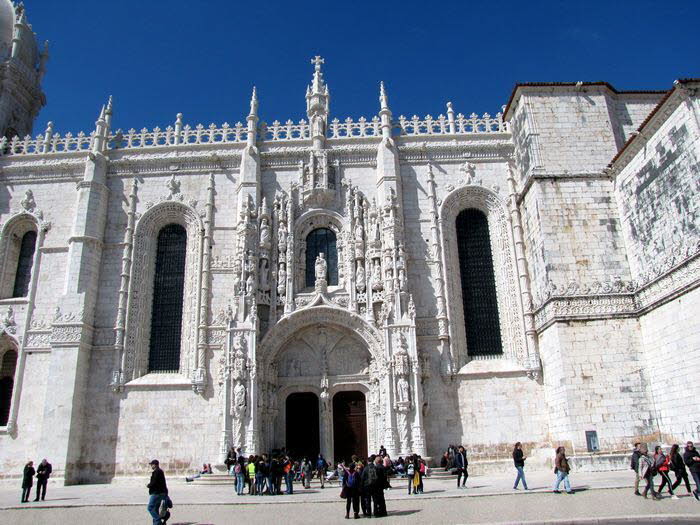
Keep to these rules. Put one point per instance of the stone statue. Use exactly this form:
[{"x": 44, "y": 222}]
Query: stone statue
[
  {"x": 321, "y": 267},
  {"x": 239, "y": 399},
  {"x": 264, "y": 275},
  {"x": 282, "y": 282},
  {"x": 402, "y": 390},
  {"x": 250, "y": 284},
  {"x": 377, "y": 277},
  {"x": 265, "y": 234},
  {"x": 360, "y": 277},
  {"x": 282, "y": 238}
]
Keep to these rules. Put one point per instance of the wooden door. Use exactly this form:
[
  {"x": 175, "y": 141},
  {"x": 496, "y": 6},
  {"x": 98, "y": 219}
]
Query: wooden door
[{"x": 349, "y": 425}]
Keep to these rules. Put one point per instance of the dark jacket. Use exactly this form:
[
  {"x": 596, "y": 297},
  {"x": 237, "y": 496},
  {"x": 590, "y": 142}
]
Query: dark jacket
[
  {"x": 518, "y": 458},
  {"x": 677, "y": 464},
  {"x": 368, "y": 472},
  {"x": 382, "y": 480},
  {"x": 634, "y": 461},
  {"x": 461, "y": 460},
  {"x": 157, "y": 484},
  {"x": 693, "y": 466},
  {"x": 27, "y": 477},
  {"x": 561, "y": 463},
  {"x": 44, "y": 471}
]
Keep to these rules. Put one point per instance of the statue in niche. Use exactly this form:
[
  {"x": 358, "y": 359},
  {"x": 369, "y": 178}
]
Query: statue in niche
[
  {"x": 282, "y": 238},
  {"x": 282, "y": 281},
  {"x": 376, "y": 235},
  {"x": 321, "y": 267},
  {"x": 265, "y": 234},
  {"x": 264, "y": 276},
  {"x": 377, "y": 277},
  {"x": 239, "y": 399},
  {"x": 359, "y": 232},
  {"x": 403, "y": 390},
  {"x": 250, "y": 284},
  {"x": 360, "y": 277}
]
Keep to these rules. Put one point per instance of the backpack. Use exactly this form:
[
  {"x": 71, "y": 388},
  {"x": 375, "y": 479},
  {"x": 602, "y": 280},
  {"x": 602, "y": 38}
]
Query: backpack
[
  {"x": 350, "y": 480},
  {"x": 372, "y": 477},
  {"x": 237, "y": 468},
  {"x": 411, "y": 470}
]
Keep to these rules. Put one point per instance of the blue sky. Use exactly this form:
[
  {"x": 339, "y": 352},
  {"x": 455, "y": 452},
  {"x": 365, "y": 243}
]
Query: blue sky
[{"x": 201, "y": 58}]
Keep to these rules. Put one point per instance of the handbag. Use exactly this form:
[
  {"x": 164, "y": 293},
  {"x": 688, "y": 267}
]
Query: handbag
[{"x": 343, "y": 493}]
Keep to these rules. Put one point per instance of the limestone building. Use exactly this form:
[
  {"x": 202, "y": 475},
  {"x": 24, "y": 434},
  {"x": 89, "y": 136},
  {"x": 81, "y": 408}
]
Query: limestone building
[{"x": 338, "y": 285}]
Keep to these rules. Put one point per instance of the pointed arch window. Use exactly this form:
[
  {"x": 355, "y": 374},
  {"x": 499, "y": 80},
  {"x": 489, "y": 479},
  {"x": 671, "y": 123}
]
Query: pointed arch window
[
  {"x": 478, "y": 284},
  {"x": 8, "y": 363},
  {"x": 24, "y": 264},
  {"x": 168, "y": 299},
  {"x": 321, "y": 240}
]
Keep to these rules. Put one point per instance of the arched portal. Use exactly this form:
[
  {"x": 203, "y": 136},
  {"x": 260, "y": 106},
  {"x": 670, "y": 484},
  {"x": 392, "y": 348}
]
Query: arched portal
[
  {"x": 349, "y": 425},
  {"x": 302, "y": 425}
]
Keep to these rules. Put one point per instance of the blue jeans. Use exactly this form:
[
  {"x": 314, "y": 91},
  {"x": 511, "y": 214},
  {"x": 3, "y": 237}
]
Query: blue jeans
[
  {"x": 240, "y": 483},
  {"x": 259, "y": 484},
  {"x": 153, "y": 504},
  {"x": 562, "y": 476},
  {"x": 289, "y": 480},
  {"x": 521, "y": 475}
]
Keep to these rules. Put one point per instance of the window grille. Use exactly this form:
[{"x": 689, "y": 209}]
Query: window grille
[
  {"x": 321, "y": 240},
  {"x": 7, "y": 377},
  {"x": 478, "y": 284},
  {"x": 24, "y": 264},
  {"x": 168, "y": 293}
]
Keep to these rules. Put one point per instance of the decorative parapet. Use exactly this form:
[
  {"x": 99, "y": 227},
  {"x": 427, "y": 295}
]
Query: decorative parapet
[{"x": 179, "y": 135}]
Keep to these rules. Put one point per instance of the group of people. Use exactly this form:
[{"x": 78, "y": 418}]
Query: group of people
[
  {"x": 42, "y": 473},
  {"x": 647, "y": 466}
]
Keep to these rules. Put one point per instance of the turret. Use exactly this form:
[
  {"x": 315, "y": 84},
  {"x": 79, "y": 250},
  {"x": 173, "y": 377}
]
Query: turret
[{"x": 318, "y": 105}]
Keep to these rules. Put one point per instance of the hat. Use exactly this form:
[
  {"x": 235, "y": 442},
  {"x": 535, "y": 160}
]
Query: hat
[{"x": 154, "y": 462}]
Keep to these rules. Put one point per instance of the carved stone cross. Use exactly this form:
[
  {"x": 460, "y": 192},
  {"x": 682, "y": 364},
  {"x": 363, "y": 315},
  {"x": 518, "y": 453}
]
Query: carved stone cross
[{"x": 317, "y": 61}]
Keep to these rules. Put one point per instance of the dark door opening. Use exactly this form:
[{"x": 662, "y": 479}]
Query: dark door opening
[
  {"x": 349, "y": 425},
  {"x": 302, "y": 425}
]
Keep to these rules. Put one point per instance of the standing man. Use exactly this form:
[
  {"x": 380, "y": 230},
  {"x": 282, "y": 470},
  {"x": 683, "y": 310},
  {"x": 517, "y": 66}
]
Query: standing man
[
  {"x": 157, "y": 490},
  {"x": 634, "y": 465},
  {"x": 692, "y": 461},
  {"x": 321, "y": 467},
  {"x": 461, "y": 465},
  {"x": 378, "y": 492},
  {"x": 43, "y": 471}
]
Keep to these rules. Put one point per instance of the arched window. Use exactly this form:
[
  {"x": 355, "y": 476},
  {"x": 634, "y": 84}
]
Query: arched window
[
  {"x": 478, "y": 284},
  {"x": 321, "y": 240},
  {"x": 168, "y": 293},
  {"x": 7, "y": 378},
  {"x": 24, "y": 264}
]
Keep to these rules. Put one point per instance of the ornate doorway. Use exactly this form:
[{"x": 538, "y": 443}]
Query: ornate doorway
[
  {"x": 302, "y": 425},
  {"x": 349, "y": 425}
]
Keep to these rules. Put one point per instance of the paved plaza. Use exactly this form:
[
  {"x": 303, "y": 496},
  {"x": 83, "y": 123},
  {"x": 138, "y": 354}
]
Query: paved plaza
[{"x": 487, "y": 499}]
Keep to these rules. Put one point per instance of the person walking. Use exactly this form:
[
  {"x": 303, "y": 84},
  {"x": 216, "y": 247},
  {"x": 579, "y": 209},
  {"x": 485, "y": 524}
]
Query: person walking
[
  {"x": 43, "y": 471},
  {"x": 519, "y": 461},
  {"x": 350, "y": 491},
  {"x": 662, "y": 462},
  {"x": 27, "y": 481},
  {"x": 692, "y": 461},
  {"x": 678, "y": 468},
  {"x": 562, "y": 469},
  {"x": 321, "y": 466},
  {"x": 157, "y": 491},
  {"x": 646, "y": 471},
  {"x": 634, "y": 465},
  {"x": 307, "y": 472},
  {"x": 461, "y": 464}
]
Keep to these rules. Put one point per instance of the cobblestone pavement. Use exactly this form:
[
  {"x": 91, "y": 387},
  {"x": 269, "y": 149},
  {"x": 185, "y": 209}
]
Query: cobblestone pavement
[{"x": 486, "y": 500}]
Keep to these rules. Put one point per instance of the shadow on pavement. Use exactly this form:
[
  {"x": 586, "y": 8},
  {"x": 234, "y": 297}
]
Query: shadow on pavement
[{"x": 402, "y": 512}]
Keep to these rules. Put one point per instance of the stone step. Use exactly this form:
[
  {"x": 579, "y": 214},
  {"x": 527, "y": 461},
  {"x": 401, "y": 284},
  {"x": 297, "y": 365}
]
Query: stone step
[{"x": 225, "y": 479}]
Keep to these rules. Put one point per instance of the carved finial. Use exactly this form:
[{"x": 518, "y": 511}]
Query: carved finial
[
  {"x": 109, "y": 105},
  {"x": 254, "y": 103},
  {"x": 317, "y": 86},
  {"x": 317, "y": 61},
  {"x": 383, "y": 99}
]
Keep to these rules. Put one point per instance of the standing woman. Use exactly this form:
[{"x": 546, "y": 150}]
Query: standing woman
[
  {"x": 661, "y": 462},
  {"x": 239, "y": 471},
  {"x": 410, "y": 474},
  {"x": 678, "y": 467},
  {"x": 519, "y": 461},
  {"x": 27, "y": 481},
  {"x": 350, "y": 490}
]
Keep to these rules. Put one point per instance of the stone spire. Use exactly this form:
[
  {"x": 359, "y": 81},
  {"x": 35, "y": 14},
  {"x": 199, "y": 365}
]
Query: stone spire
[
  {"x": 253, "y": 119},
  {"x": 102, "y": 126},
  {"x": 317, "y": 104},
  {"x": 384, "y": 111}
]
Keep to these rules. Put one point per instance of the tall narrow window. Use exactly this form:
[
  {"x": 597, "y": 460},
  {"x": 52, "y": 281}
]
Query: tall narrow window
[
  {"x": 321, "y": 240},
  {"x": 24, "y": 264},
  {"x": 7, "y": 378},
  {"x": 478, "y": 284},
  {"x": 168, "y": 292}
]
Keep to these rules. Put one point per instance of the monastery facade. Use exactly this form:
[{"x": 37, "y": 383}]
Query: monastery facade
[{"x": 337, "y": 285}]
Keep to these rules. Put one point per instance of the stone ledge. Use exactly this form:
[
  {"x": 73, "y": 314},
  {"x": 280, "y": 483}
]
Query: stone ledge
[
  {"x": 160, "y": 380},
  {"x": 491, "y": 368}
]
